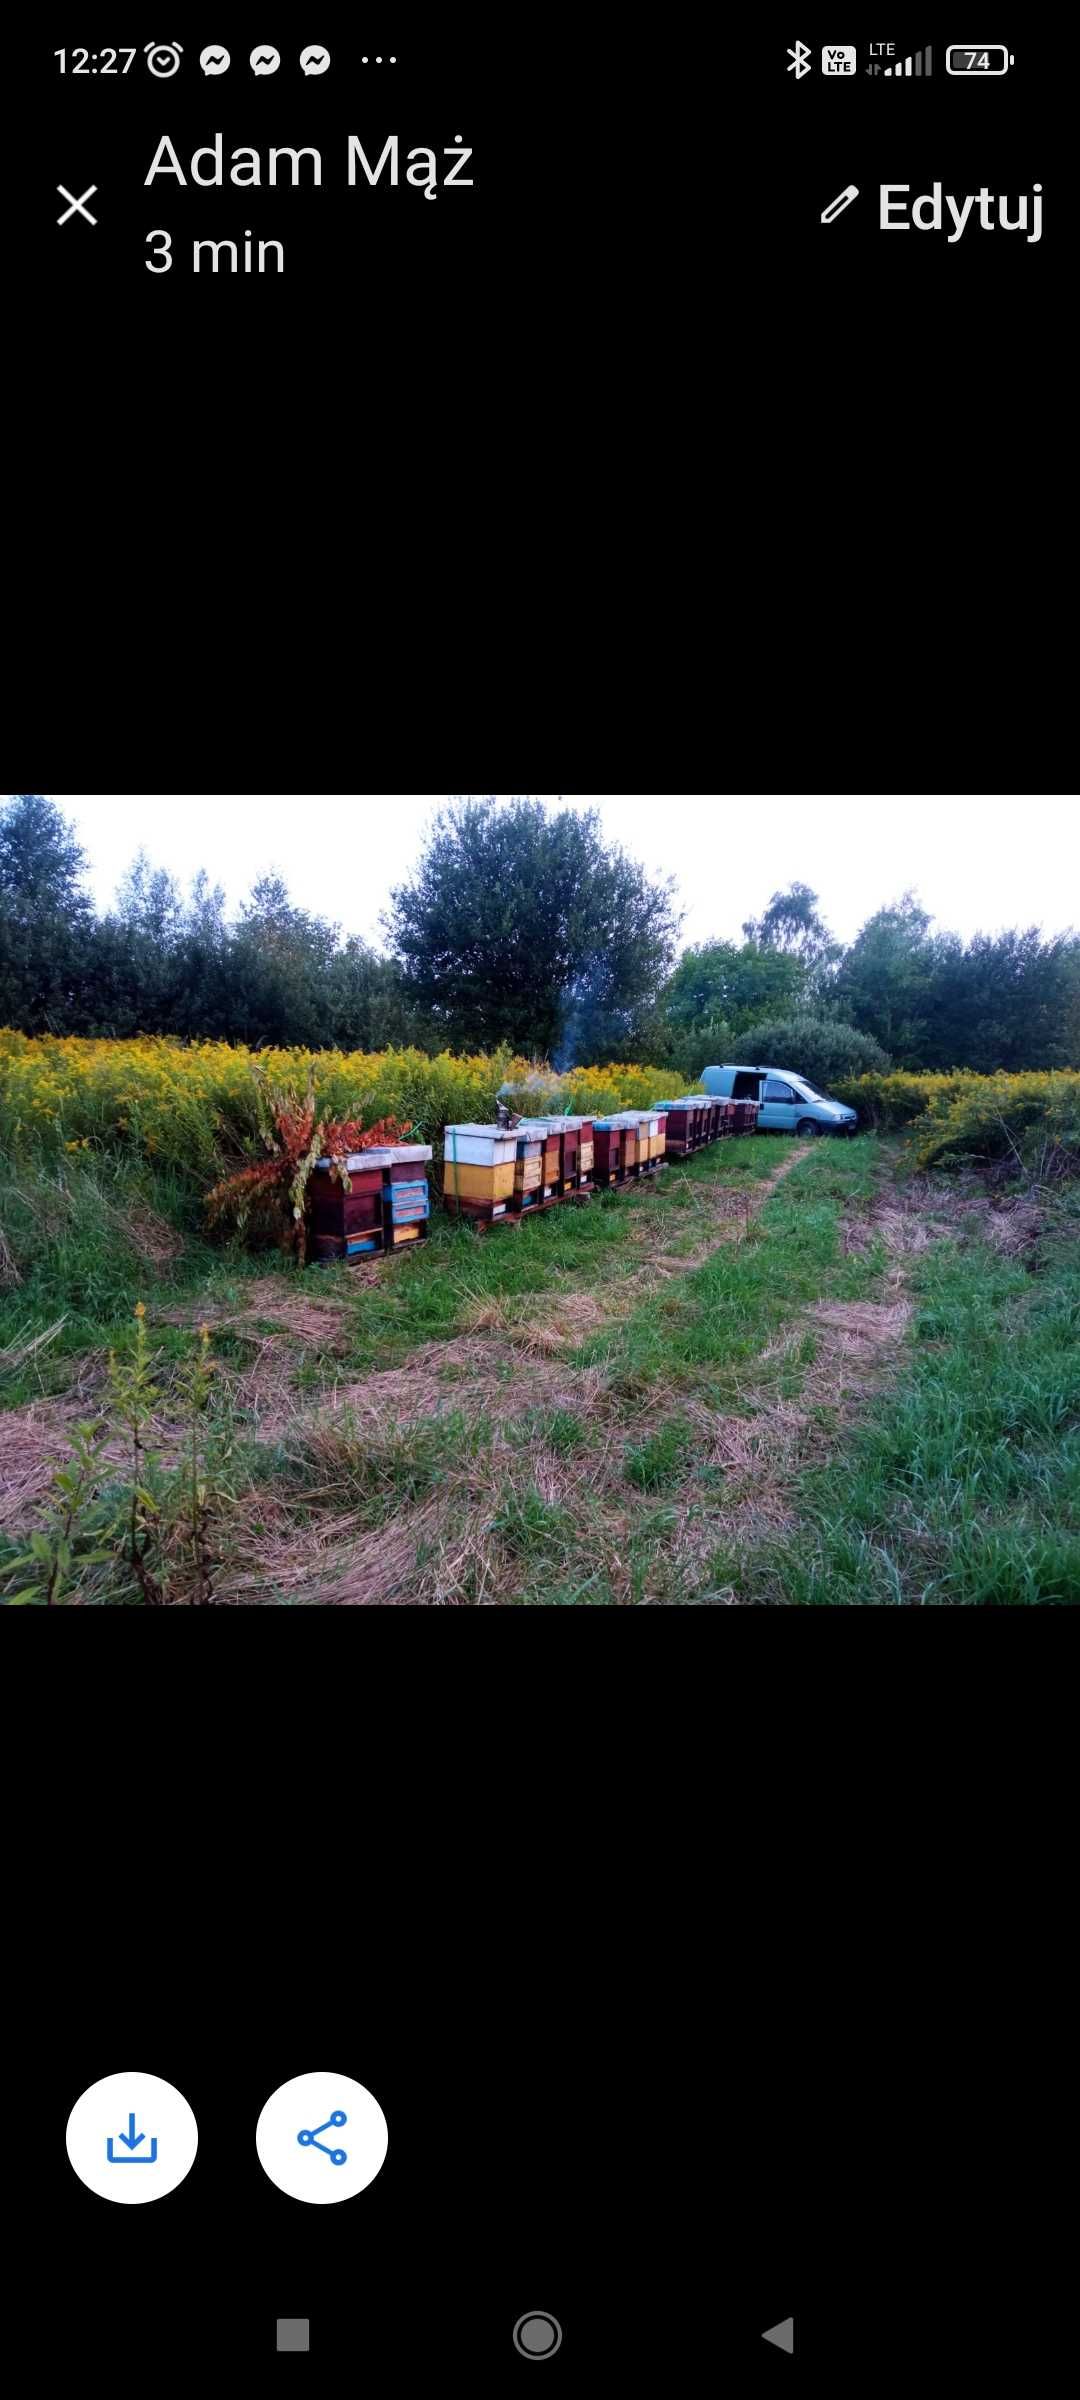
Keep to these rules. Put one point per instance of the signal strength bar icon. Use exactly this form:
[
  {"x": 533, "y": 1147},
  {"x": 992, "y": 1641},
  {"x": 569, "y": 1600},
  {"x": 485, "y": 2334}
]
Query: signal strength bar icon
[{"x": 921, "y": 62}]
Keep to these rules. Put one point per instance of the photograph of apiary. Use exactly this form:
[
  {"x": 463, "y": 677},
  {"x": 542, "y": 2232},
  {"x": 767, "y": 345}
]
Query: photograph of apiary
[{"x": 266, "y": 1337}]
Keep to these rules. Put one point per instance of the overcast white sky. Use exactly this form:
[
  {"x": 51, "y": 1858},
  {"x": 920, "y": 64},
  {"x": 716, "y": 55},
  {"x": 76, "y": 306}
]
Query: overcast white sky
[{"x": 974, "y": 863}]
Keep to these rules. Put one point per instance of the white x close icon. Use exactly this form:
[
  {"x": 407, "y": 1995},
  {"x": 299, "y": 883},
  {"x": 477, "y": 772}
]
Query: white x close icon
[{"x": 76, "y": 205}]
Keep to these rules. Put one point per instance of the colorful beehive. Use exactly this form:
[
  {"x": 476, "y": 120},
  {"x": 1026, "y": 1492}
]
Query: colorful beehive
[
  {"x": 608, "y": 1151},
  {"x": 746, "y": 1115},
  {"x": 652, "y": 1124},
  {"x": 631, "y": 1149},
  {"x": 698, "y": 1107},
  {"x": 586, "y": 1155},
  {"x": 479, "y": 1167},
  {"x": 680, "y": 1128},
  {"x": 528, "y": 1171},
  {"x": 729, "y": 1115},
  {"x": 570, "y": 1129},
  {"x": 647, "y": 1123},
  {"x": 386, "y": 1206},
  {"x": 546, "y": 1130}
]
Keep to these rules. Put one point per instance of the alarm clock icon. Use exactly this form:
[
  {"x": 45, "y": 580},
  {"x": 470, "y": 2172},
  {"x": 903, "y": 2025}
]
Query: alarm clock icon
[{"x": 163, "y": 58}]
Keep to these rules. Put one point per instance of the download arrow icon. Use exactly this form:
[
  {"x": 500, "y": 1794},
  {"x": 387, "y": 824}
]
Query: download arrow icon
[{"x": 131, "y": 2141}]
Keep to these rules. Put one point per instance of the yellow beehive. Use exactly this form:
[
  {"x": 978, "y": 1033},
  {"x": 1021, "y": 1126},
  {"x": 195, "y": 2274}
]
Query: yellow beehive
[
  {"x": 478, "y": 1171},
  {"x": 479, "y": 1183}
]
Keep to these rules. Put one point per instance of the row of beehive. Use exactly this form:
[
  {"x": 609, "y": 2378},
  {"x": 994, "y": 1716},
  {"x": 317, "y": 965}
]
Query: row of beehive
[
  {"x": 698, "y": 1119},
  {"x": 385, "y": 1207},
  {"x": 493, "y": 1172}
]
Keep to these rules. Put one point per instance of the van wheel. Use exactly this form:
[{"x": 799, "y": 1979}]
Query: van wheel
[{"x": 807, "y": 1129}]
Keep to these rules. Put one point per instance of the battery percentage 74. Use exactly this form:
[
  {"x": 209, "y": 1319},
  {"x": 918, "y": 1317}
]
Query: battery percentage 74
[{"x": 992, "y": 59}]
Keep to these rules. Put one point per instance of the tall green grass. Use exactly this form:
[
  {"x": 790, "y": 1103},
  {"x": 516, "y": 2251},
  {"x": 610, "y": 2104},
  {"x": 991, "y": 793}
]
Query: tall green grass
[{"x": 962, "y": 1487}]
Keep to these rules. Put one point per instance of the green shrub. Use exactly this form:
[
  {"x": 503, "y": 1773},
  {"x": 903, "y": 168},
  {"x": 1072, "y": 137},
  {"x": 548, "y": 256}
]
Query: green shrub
[
  {"x": 1033, "y": 1119},
  {"x": 816, "y": 1047}
]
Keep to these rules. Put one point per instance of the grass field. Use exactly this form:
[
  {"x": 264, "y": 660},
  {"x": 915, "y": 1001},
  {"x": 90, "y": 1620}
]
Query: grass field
[{"x": 781, "y": 1375}]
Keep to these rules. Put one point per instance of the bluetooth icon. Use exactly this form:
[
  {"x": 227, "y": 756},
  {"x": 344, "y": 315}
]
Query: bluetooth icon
[{"x": 800, "y": 61}]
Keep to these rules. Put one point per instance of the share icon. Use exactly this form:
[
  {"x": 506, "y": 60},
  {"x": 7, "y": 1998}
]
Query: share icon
[{"x": 310, "y": 2141}]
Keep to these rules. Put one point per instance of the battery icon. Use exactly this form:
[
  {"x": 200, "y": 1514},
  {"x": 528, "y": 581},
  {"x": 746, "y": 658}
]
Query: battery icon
[{"x": 967, "y": 59}]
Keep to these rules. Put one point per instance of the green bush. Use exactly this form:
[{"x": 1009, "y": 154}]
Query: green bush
[
  {"x": 886, "y": 1102},
  {"x": 1033, "y": 1119},
  {"x": 816, "y": 1047}
]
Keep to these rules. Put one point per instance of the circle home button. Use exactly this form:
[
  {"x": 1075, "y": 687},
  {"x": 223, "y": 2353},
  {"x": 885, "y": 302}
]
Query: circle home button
[{"x": 536, "y": 2335}]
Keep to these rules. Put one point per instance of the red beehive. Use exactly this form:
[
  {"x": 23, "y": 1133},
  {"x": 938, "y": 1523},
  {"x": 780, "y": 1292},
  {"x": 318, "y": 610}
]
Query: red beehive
[
  {"x": 680, "y": 1129},
  {"x": 547, "y": 1128},
  {"x": 608, "y": 1150},
  {"x": 339, "y": 1212}
]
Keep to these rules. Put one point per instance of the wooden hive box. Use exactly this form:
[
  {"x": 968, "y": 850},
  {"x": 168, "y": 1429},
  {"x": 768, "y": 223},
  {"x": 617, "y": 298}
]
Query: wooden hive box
[
  {"x": 641, "y": 1120},
  {"x": 406, "y": 1200},
  {"x": 387, "y": 1203},
  {"x": 651, "y": 1124},
  {"x": 528, "y": 1170},
  {"x": 569, "y": 1131},
  {"x": 336, "y": 1212},
  {"x": 631, "y": 1148},
  {"x": 546, "y": 1130},
  {"x": 479, "y": 1166},
  {"x": 679, "y": 1129},
  {"x": 586, "y": 1153},
  {"x": 607, "y": 1146}
]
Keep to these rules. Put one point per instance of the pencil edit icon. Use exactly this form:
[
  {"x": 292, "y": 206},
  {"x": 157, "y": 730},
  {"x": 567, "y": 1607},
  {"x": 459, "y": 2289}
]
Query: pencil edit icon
[{"x": 836, "y": 207}]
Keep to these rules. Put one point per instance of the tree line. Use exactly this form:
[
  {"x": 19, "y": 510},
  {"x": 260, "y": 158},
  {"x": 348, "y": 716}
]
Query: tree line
[{"x": 520, "y": 925}]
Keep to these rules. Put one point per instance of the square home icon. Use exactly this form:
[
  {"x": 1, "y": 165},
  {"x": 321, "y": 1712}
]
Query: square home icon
[{"x": 838, "y": 59}]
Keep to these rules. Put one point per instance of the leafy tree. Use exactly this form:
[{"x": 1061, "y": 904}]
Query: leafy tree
[
  {"x": 1005, "y": 1001},
  {"x": 792, "y": 923},
  {"x": 367, "y": 1007},
  {"x": 279, "y": 959},
  {"x": 820, "y": 1048},
  {"x": 719, "y": 989},
  {"x": 524, "y": 927},
  {"x": 45, "y": 917},
  {"x": 884, "y": 982}
]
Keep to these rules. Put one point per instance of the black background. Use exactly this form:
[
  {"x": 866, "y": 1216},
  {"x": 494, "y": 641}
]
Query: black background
[
  {"x": 698, "y": 1991},
  {"x": 619, "y": 457}
]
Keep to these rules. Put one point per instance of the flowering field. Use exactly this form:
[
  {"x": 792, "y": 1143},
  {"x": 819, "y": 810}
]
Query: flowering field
[
  {"x": 1033, "y": 1116},
  {"x": 195, "y": 1107}
]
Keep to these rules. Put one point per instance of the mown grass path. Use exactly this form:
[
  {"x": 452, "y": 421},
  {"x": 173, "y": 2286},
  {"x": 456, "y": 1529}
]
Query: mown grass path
[{"x": 778, "y": 1376}]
